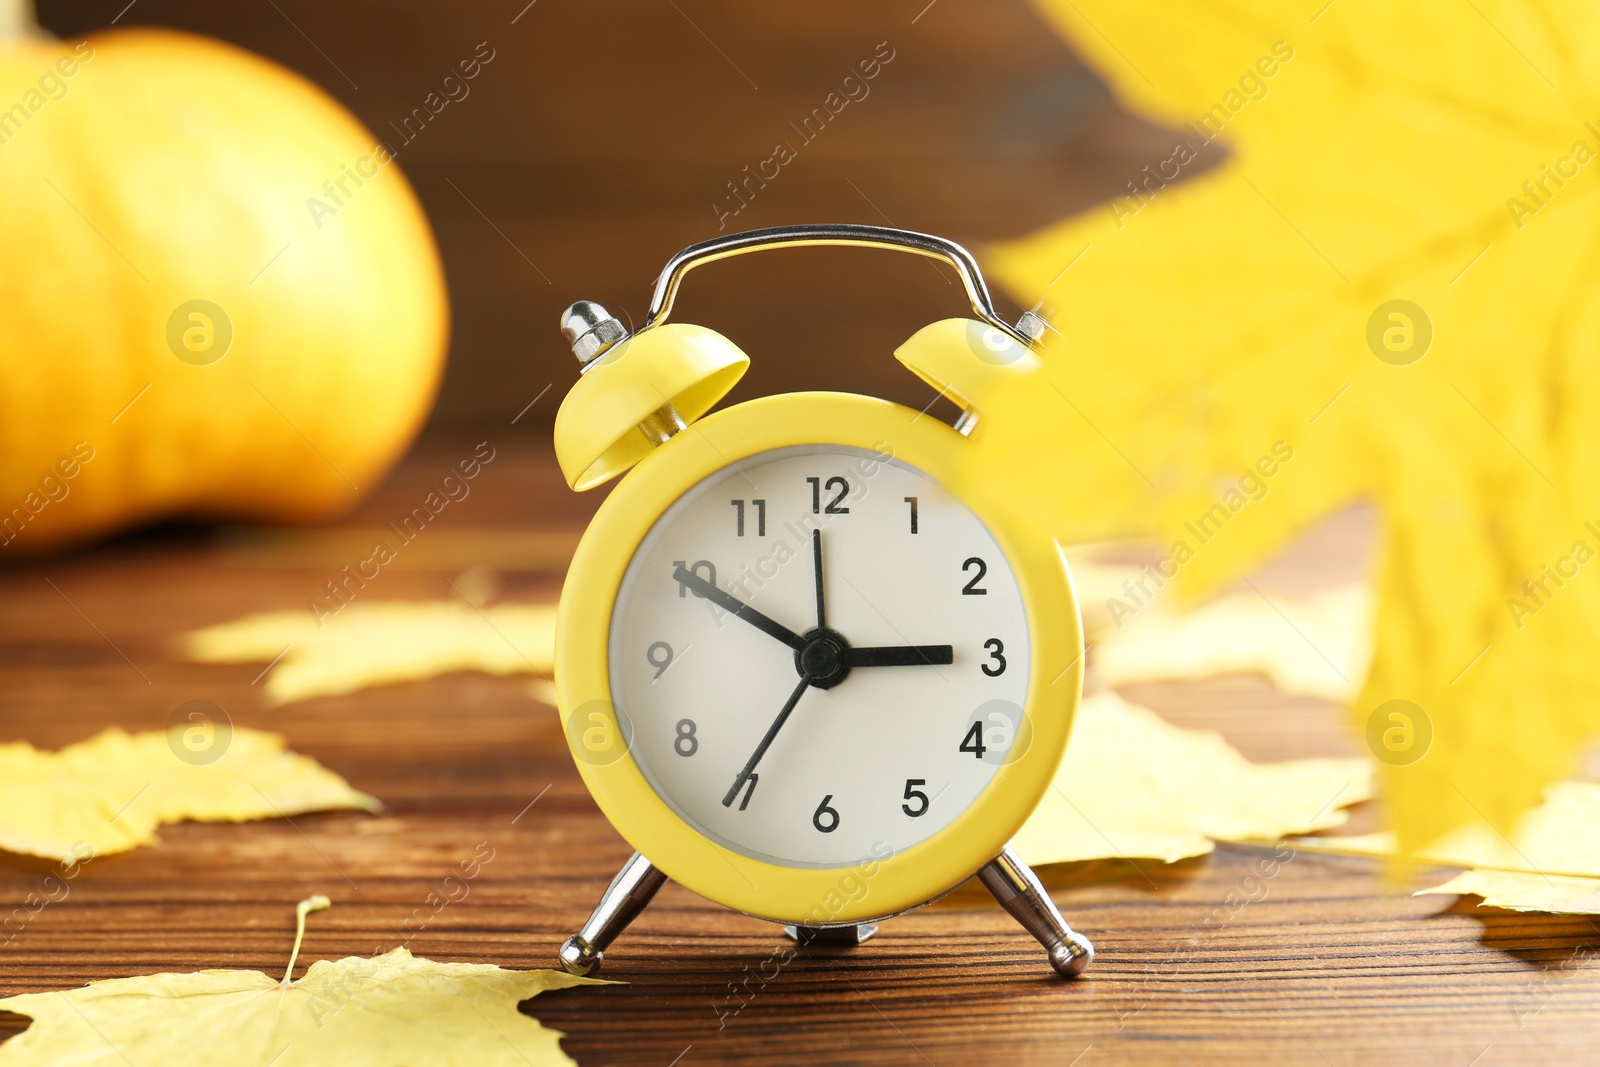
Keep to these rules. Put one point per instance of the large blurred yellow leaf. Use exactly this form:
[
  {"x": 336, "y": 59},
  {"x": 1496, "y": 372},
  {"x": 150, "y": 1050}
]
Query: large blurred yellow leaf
[{"x": 1230, "y": 367}]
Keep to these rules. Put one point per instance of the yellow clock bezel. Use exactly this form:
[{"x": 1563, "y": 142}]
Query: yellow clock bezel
[{"x": 818, "y": 896}]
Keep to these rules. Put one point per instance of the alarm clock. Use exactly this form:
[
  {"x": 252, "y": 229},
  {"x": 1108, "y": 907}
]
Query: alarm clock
[{"x": 801, "y": 672}]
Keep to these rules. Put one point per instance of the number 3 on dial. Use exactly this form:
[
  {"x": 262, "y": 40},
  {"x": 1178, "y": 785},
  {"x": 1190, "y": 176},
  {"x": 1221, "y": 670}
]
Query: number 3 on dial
[{"x": 997, "y": 659}]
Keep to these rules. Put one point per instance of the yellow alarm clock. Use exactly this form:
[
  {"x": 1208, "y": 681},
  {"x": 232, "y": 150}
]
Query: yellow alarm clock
[{"x": 800, "y": 674}]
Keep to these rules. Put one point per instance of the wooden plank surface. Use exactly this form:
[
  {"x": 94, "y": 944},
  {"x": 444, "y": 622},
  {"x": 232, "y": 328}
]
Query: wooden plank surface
[{"x": 1323, "y": 965}]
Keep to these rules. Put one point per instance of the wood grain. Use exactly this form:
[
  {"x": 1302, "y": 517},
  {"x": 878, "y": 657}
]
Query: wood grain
[{"x": 1324, "y": 965}]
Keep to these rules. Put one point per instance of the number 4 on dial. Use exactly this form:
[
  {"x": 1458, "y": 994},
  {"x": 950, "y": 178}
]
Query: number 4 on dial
[{"x": 973, "y": 742}]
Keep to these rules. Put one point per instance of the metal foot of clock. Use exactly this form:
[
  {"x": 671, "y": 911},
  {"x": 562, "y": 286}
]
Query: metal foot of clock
[
  {"x": 620, "y": 904},
  {"x": 1007, "y": 877},
  {"x": 1017, "y": 889}
]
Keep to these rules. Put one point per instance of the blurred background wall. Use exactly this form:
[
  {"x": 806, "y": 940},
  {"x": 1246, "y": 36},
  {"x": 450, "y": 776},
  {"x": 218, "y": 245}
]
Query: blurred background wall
[{"x": 601, "y": 136}]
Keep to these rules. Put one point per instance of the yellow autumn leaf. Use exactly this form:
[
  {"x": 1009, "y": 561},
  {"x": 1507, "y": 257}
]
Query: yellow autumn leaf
[
  {"x": 1385, "y": 291},
  {"x": 1560, "y": 836},
  {"x": 1525, "y": 891},
  {"x": 379, "y": 643},
  {"x": 111, "y": 792},
  {"x": 356, "y": 1012},
  {"x": 1097, "y": 584},
  {"x": 1134, "y": 785},
  {"x": 1316, "y": 645}
]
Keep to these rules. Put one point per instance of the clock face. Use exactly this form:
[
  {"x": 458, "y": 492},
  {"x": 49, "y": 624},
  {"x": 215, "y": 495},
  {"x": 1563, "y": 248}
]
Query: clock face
[{"x": 817, "y": 724}]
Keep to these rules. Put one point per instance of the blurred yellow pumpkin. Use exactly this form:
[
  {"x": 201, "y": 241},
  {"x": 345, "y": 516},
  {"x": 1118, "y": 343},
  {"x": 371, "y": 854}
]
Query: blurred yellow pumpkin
[{"x": 220, "y": 296}]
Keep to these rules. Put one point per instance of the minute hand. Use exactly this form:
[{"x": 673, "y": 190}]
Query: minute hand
[
  {"x": 900, "y": 656},
  {"x": 740, "y": 608}
]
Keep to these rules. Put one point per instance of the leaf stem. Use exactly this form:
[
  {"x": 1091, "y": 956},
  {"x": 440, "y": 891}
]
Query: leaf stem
[{"x": 301, "y": 910}]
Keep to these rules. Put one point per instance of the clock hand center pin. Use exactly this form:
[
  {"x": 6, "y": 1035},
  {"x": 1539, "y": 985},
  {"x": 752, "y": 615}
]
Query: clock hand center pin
[{"x": 824, "y": 654}]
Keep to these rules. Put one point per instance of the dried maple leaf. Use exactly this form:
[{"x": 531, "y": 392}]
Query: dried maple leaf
[
  {"x": 1559, "y": 837},
  {"x": 1232, "y": 363},
  {"x": 355, "y": 1012},
  {"x": 1315, "y": 645},
  {"x": 1549, "y": 862},
  {"x": 110, "y": 793},
  {"x": 1133, "y": 784},
  {"x": 1553, "y": 894},
  {"x": 380, "y": 643}
]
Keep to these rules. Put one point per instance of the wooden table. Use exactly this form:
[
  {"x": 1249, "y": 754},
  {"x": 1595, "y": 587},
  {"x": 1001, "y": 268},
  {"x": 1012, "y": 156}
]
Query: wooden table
[{"x": 1325, "y": 967}]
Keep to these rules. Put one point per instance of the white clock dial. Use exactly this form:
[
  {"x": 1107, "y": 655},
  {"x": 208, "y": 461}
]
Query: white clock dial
[{"x": 918, "y": 673}]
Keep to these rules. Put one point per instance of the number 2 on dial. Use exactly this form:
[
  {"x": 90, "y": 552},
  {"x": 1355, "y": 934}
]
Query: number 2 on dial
[{"x": 972, "y": 588}]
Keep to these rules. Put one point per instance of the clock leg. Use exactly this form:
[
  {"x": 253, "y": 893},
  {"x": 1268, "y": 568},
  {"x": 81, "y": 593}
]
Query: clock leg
[
  {"x": 1019, "y": 892},
  {"x": 582, "y": 953}
]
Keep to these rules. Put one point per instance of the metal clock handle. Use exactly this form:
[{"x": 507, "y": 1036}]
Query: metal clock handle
[{"x": 1028, "y": 330}]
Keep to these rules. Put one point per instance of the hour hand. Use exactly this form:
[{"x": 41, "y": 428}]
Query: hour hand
[
  {"x": 738, "y": 607},
  {"x": 900, "y": 656}
]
